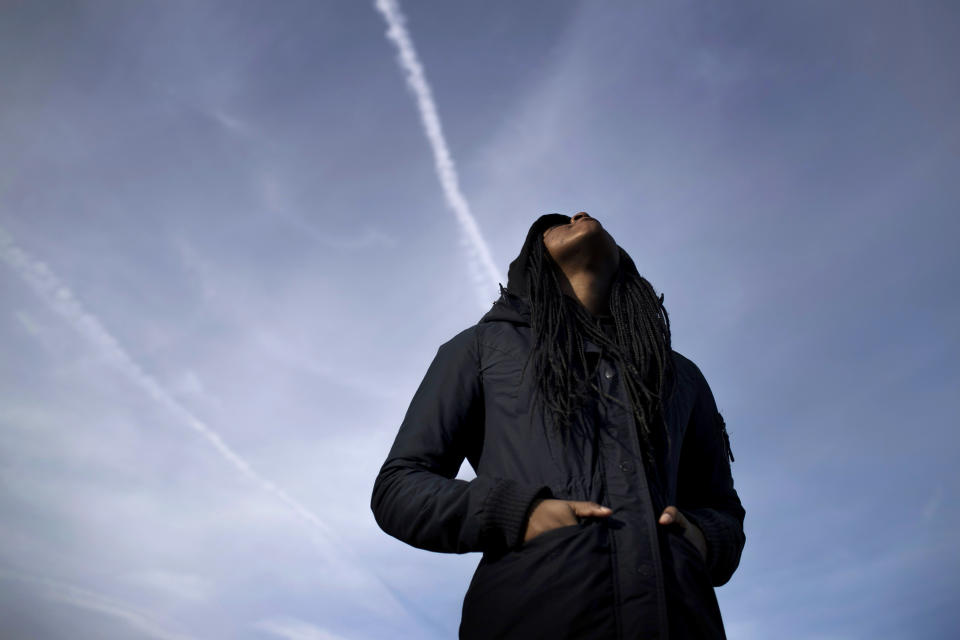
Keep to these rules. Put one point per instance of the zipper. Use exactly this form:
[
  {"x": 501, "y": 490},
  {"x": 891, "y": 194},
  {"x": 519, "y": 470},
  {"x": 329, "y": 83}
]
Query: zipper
[
  {"x": 653, "y": 534},
  {"x": 726, "y": 437}
]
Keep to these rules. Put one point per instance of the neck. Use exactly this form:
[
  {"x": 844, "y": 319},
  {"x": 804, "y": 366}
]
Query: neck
[{"x": 590, "y": 289}]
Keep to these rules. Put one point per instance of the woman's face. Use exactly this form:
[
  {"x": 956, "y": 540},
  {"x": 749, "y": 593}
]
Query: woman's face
[{"x": 581, "y": 242}]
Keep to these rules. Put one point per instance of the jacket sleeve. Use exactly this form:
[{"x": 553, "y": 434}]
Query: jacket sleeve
[
  {"x": 416, "y": 496},
  {"x": 705, "y": 492}
]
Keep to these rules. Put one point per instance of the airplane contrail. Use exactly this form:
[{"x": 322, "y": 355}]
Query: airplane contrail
[
  {"x": 56, "y": 294},
  {"x": 62, "y": 300},
  {"x": 482, "y": 268}
]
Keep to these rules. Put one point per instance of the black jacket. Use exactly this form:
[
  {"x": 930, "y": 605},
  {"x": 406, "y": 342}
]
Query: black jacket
[{"x": 625, "y": 576}]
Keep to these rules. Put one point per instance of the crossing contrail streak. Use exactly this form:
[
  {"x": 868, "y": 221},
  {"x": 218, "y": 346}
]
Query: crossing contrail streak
[
  {"x": 483, "y": 270},
  {"x": 61, "y": 300}
]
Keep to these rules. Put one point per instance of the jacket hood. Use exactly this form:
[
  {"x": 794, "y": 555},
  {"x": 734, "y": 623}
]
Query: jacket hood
[
  {"x": 519, "y": 270},
  {"x": 514, "y": 302},
  {"x": 509, "y": 308}
]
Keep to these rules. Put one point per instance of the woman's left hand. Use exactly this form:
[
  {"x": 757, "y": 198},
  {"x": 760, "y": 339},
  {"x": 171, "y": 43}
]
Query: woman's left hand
[{"x": 691, "y": 531}]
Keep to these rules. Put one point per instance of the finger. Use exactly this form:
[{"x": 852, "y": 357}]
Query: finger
[
  {"x": 670, "y": 515},
  {"x": 585, "y": 509}
]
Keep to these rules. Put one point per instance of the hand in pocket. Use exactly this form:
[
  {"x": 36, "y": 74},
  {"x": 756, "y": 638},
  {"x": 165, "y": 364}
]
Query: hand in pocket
[
  {"x": 672, "y": 515},
  {"x": 549, "y": 513}
]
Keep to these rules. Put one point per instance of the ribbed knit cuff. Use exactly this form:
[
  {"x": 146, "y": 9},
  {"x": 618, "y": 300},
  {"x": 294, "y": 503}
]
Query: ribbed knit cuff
[
  {"x": 724, "y": 542},
  {"x": 506, "y": 510}
]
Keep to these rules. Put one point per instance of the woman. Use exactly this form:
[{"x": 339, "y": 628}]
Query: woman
[{"x": 604, "y": 504}]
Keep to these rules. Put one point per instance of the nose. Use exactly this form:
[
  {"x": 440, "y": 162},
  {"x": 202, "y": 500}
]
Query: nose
[{"x": 582, "y": 214}]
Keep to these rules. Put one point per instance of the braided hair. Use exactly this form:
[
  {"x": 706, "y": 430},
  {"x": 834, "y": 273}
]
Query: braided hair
[{"x": 641, "y": 348}]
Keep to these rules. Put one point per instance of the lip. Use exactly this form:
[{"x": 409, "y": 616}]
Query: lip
[{"x": 586, "y": 216}]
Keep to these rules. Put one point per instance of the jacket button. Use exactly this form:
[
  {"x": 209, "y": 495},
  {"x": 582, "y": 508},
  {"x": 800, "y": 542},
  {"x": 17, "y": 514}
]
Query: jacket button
[
  {"x": 608, "y": 374},
  {"x": 645, "y": 570},
  {"x": 626, "y": 465}
]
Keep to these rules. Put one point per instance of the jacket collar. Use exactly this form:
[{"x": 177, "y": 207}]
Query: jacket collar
[{"x": 515, "y": 309}]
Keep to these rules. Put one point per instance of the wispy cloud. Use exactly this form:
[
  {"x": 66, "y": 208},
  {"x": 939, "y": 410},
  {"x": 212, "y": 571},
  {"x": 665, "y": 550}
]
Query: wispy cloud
[
  {"x": 482, "y": 267},
  {"x": 293, "y": 629},
  {"x": 145, "y": 623},
  {"x": 230, "y": 122},
  {"x": 274, "y": 347},
  {"x": 932, "y": 505},
  {"x": 61, "y": 299},
  {"x": 171, "y": 583},
  {"x": 278, "y": 206}
]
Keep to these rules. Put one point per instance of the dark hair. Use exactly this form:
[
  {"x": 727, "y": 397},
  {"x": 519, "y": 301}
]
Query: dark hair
[{"x": 641, "y": 347}]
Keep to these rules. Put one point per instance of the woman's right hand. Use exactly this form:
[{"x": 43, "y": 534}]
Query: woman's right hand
[{"x": 549, "y": 513}]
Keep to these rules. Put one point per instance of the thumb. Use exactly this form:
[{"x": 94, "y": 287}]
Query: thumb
[
  {"x": 584, "y": 509},
  {"x": 670, "y": 515}
]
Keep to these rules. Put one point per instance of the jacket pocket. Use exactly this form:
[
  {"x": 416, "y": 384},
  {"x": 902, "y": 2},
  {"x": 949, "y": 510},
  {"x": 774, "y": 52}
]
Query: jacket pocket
[
  {"x": 501, "y": 375},
  {"x": 550, "y": 534},
  {"x": 693, "y": 608},
  {"x": 556, "y": 585},
  {"x": 692, "y": 549}
]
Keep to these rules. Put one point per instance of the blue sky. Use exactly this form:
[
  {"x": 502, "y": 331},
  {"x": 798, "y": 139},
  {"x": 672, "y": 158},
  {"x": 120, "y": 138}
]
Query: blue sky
[{"x": 226, "y": 261}]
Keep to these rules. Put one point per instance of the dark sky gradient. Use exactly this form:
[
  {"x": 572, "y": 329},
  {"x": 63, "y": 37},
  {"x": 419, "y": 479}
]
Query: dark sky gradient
[{"x": 227, "y": 213}]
